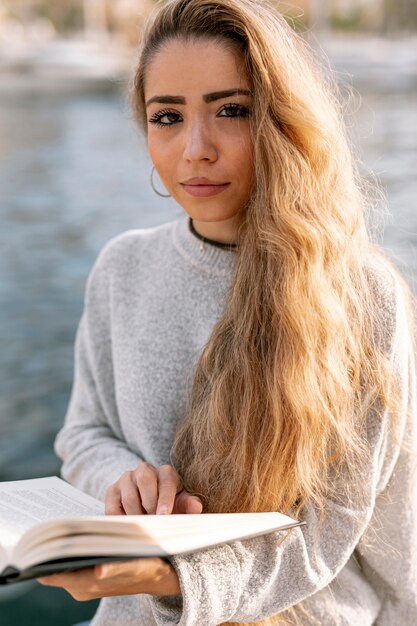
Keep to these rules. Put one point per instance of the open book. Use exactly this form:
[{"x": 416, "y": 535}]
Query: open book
[{"x": 48, "y": 526}]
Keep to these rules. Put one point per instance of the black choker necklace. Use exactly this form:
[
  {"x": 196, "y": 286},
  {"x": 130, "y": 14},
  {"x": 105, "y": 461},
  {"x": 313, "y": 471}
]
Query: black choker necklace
[{"x": 218, "y": 244}]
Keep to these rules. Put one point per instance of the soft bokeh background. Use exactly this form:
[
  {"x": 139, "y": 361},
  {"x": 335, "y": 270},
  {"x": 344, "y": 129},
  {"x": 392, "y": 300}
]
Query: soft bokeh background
[{"x": 75, "y": 172}]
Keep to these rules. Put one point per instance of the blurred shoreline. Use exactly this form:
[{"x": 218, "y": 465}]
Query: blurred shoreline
[
  {"x": 76, "y": 65},
  {"x": 379, "y": 63},
  {"x": 64, "y": 66}
]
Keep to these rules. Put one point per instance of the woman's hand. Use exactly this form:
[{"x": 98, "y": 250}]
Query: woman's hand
[
  {"x": 150, "y": 490},
  {"x": 152, "y": 576},
  {"x": 146, "y": 490}
]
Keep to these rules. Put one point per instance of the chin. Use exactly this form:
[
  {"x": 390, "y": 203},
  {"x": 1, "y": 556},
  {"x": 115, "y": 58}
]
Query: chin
[{"x": 210, "y": 215}]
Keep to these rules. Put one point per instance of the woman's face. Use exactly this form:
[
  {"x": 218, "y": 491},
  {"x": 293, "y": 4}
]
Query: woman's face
[{"x": 198, "y": 131}]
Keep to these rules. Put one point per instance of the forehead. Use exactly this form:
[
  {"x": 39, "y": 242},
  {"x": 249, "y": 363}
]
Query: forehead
[{"x": 197, "y": 66}]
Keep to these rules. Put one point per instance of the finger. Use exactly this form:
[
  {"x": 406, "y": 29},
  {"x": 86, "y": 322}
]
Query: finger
[
  {"x": 106, "y": 570},
  {"x": 119, "y": 568},
  {"x": 146, "y": 483},
  {"x": 122, "y": 497},
  {"x": 55, "y": 580},
  {"x": 81, "y": 584},
  {"x": 187, "y": 503},
  {"x": 130, "y": 497},
  {"x": 169, "y": 484},
  {"x": 112, "y": 502},
  {"x": 45, "y": 580}
]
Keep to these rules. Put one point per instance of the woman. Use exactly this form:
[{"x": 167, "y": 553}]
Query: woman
[{"x": 255, "y": 355}]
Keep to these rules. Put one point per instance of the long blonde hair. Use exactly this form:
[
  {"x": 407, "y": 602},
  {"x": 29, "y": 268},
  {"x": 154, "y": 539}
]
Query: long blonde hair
[{"x": 294, "y": 364}]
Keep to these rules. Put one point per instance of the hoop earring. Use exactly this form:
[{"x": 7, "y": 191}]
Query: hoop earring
[{"x": 163, "y": 195}]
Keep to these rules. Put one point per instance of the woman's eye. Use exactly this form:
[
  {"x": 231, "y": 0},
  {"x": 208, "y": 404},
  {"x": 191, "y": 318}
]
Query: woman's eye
[
  {"x": 235, "y": 110},
  {"x": 169, "y": 118},
  {"x": 164, "y": 118}
]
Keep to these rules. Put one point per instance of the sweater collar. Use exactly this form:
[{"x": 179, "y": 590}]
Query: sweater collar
[{"x": 205, "y": 256}]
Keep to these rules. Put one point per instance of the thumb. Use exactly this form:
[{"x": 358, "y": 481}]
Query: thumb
[{"x": 186, "y": 503}]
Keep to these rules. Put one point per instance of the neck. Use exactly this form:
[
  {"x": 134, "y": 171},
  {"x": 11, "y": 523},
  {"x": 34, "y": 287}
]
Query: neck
[{"x": 224, "y": 232}]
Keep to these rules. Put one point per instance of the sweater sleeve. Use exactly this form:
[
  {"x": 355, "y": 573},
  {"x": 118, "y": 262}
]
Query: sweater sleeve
[
  {"x": 249, "y": 580},
  {"x": 91, "y": 443}
]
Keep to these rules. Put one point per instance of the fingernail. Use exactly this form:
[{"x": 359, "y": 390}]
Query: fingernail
[{"x": 162, "y": 510}]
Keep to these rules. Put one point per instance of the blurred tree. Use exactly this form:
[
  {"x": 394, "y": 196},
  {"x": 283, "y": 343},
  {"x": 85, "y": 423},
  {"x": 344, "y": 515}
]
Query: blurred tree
[
  {"x": 66, "y": 15},
  {"x": 400, "y": 15},
  {"x": 125, "y": 17},
  {"x": 95, "y": 18},
  {"x": 319, "y": 11}
]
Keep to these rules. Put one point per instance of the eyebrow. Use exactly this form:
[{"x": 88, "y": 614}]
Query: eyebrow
[{"x": 208, "y": 97}]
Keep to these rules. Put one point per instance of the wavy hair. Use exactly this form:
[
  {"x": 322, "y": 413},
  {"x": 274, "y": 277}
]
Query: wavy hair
[{"x": 283, "y": 385}]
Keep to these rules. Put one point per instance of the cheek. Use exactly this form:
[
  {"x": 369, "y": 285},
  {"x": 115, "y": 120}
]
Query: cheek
[
  {"x": 240, "y": 150},
  {"x": 244, "y": 160},
  {"x": 161, "y": 151},
  {"x": 247, "y": 173}
]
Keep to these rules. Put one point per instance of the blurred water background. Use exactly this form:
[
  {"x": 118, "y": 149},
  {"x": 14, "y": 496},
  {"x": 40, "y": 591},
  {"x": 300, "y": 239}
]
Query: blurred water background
[{"x": 75, "y": 172}]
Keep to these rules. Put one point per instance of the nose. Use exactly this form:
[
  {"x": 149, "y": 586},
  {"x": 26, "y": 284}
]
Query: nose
[{"x": 199, "y": 143}]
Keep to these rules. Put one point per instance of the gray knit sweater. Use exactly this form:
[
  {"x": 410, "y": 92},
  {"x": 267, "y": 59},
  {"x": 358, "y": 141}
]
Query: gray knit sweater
[{"x": 152, "y": 300}]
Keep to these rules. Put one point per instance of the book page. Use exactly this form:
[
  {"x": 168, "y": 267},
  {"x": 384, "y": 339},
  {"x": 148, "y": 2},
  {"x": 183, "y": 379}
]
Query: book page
[{"x": 25, "y": 503}]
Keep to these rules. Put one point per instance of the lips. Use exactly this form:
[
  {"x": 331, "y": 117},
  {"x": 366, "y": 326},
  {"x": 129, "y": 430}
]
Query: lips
[
  {"x": 203, "y": 187},
  {"x": 198, "y": 180}
]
